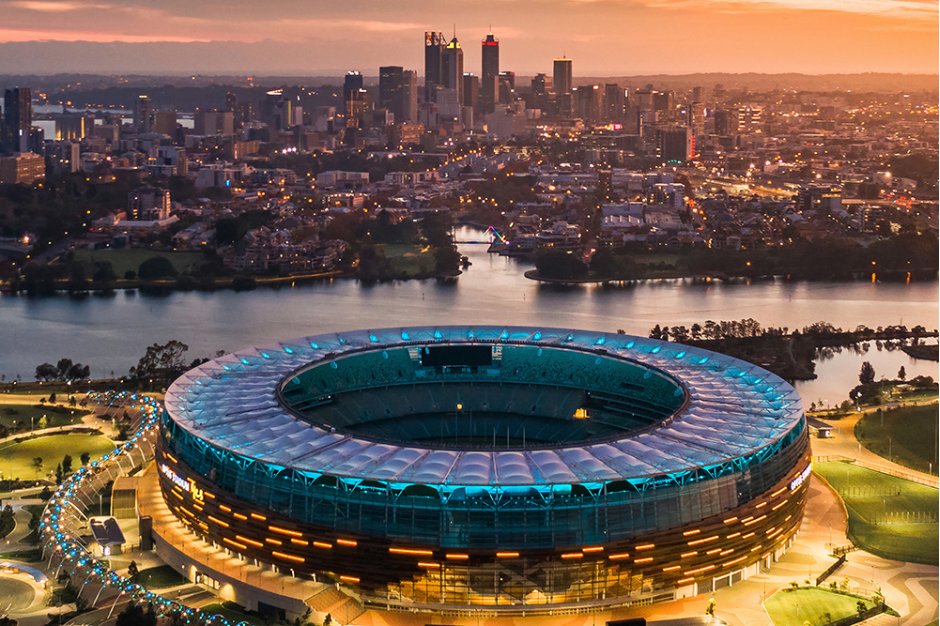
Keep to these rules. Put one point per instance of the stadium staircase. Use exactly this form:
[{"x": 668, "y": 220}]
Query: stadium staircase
[{"x": 342, "y": 608}]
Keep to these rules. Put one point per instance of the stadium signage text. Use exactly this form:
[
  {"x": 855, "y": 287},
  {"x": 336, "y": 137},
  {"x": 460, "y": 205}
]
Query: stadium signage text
[
  {"x": 800, "y": 478},
  {"x": 186, "y": 484}
]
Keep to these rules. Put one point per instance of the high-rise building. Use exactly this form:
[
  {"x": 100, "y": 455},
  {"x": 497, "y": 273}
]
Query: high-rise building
[
  {"x": 507, "y": 87},
  {"x": 615, "y": 102},
  {"x": 471, "y": 91},
  {"x": 726, "y": 122},
  {"x": 561, "y": 83},
  {"x": 351, "y": 82},
  {"x": 142, "y": 109},
  {"x": 489, "y": 77},
  {"x": 434, "y": 44},
  {"x": 587, "y": 99},
  {"x": 697, "y": 118},
  {"x": 390, "y": 84},
  {"x": 398, "y": 92},
  {"x": 539, "y": 92},
  {"x": 676, "y": 144},
  {"x": 214, "y": 123},
  {"x": 452, "y": 68},
  {"x": 72, "y": 126},
  {"x": 164, "y": 122},
  {"x": 231, "y": 104},
  {"x": 17, "y": 119},
  {"x": 409, "y": 96}
]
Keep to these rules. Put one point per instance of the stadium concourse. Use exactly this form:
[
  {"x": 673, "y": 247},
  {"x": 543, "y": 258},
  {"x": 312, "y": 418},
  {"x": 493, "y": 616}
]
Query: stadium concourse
[{"x": 501, "y": 470}]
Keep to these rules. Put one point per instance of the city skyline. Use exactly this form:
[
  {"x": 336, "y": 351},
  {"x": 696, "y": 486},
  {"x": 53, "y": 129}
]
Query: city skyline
[{"x": 604, "y": 37}]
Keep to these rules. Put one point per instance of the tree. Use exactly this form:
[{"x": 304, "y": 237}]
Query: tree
[
  {"x": 861, "y": 607},
  {"x": 156, "y": 267},
  {"x": 67, "y": 464},
  {"x": 43, "y": 422},
  {"x": 902, "y": 373},
  {"x": 132, "y": 570},
  {"x": 37, "y": 464},
  {"x": 866, "y": 375},
  {"x": 46, "y": 372},
  {"x": 84, "y": 458},
  {"x": 134, "y": 615},
  {"x": 52, "y": 397},
  {"x": 161, "y": 362}
]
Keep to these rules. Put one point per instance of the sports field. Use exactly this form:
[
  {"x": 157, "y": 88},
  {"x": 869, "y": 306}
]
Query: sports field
[
  {"x": 16, "y": 459},
  {"x": 891, "y": 517},
  {"x": 811, "y": 606},
  {"x": 908, "y": 434}
]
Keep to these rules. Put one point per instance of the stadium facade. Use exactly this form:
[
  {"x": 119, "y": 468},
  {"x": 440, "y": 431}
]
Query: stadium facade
[{"x": 494, "y": 467}]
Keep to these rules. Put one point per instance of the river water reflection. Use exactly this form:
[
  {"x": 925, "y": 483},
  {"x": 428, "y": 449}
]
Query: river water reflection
[{"x": 110, "y": 333}]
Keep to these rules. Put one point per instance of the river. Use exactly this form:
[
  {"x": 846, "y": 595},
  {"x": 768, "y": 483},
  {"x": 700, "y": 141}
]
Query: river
[{"x": 111, "y": 332}]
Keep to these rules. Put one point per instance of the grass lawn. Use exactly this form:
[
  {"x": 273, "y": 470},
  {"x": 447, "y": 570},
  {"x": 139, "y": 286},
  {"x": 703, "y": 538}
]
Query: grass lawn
[
  {"x": 793, "y": 608},
  {"x": 55, "y": 415},
  {"x": 126, "y": 259},
  {"x": 409, "y": 260},
  {"x": 912, "y": 429},
  {"x": 16, "y": 459},
  {"x": 160, "y": 577},
  {"x": 877, "y": 503}
]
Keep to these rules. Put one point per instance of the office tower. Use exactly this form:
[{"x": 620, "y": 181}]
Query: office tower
[
  {"x": 506, "y": 87},
  {"x": 452, "y": 68},
  {"x": 562, "y": 78},
  {"x": 142, "y": 109},
  {"x": 409, "y": 96},
  {"x": 434, "y": 44},
  {"x": 357, "y": 106},
  {"x": 17, "y": 119},
  {"x": 72, "y": 126},
  {"x": 615, "y": 102},
  {"x": 697, "y": 118},
  {"x": 676, "y": 144},
  {"x": 489, "y": 77},
  {"x": 587, "y": 99},
  {"x": 164, "y": 122},
  {"x": 471, "y": 91},
  {"x": 665, "y": 103},
  {"x": 351, "y": 82},
  {"x": 539, "y": 93},
  {"x": 698, "y": 94},
  {"x": 390, "y": 85},
  {"x": 214, "y": 123},
  {"x": 269, "y": 107},
  {"x": 231, "y": 104},
  {"x": 398, "y": 92}
]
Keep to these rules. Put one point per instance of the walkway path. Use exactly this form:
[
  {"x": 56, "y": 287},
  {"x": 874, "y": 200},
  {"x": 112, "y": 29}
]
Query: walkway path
[{"x": 845, "y": 443}]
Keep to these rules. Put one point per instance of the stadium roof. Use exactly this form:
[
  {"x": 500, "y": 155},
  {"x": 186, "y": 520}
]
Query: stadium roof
[{"x": 734, "y": 410}]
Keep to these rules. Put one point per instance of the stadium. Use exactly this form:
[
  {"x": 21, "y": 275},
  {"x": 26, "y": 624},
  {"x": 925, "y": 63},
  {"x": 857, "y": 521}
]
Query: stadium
[{"x": 489, "y": 467}]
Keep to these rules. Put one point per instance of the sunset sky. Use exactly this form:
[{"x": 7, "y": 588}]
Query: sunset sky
[{"x": 604, "y": 37}]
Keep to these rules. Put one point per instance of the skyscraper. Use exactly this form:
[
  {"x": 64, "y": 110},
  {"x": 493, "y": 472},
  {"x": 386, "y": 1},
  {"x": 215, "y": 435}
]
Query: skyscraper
[
  {"x": 434, "y": 44},
  {"x": 614, "y": 102},
  {"x": 562, "y": 79},
  {"x": 471, "y": 91},
  {"x": 351, "y": 82},
  {"x": 489, "y": 77},
  {"x": 142, "y": 109},
  {"x": 390, "y": 82},
  {"x": 398, "y": 92},
  {"x": 17, "y": 119},
  {"x": 409, "y": 96},
  {"x": 452, "y": 68}
]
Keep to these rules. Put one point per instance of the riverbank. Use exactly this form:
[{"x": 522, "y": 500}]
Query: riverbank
[
  {"x": 921, "y": 351},
  {"x": 721, "y": 277}
]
